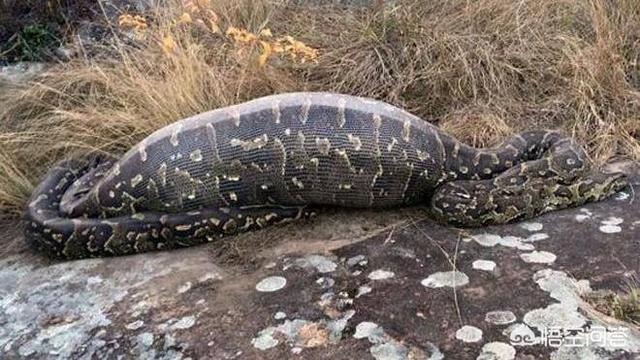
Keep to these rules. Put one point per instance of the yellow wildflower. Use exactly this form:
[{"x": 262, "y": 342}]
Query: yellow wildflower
[
  {"x": 168, "y": 45},
  {"x": 266, "y": 32},
  {"x": 135, "y": 22},
  {"x": 265, "y": 53},
  {"x": 241, "y": 35},
  {"x": 185, "y": 18}
]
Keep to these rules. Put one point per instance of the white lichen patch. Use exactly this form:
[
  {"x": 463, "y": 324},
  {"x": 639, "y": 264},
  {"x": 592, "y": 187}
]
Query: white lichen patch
[
  {"x": 387, "y": 348},
  {"x": 536, "y": 237},
  {"x": 280, "y": 315},
  {"x": 610, "y": 229},
  {"x": 135, "y": 325},
  {"x": 497, "y": 351},
  {"x": 469, "y": 334},
  {"x": 321, "y": 264},
  {"x": 210, "y": 277},
  {"x": 516, "y": 242},
  {"x": 566, "y": 315},
  {"x": 184, "y": 287},
  {"x": 612, "y": 220},
  {"x": 357, "y": 260},
  {"x": 265, "y": 339},
  {"x": 490, "y": 240},
  {"x": 611, "y": 225},
  {"x": 325, "y": 282},
  {"x": 369, "y": 330},
  {"x": 445, "y": 278},
  {"x": 362, "y": 290},
  {"x": 389, "y": 351},
  {"x": 145, "y": 340},
  {"x": 500, "y": 317},
  {"x": 380, "y": 274},
  {"x": 561, "y": 287},
  {"x": 303, "y": 333},
  {"x": 52, "y": 310},
  {"x": 487, "y": 240},
  {"x": 271, "y": 284},
  {"x": 184, "y": 323},
  {"x": 484, "y": 265},
  {"x": 584, "y": 215},
  {"x": 532, "y": 226},
  {"x": 556, "y": 316},
  {"x": 538, "y": 257}
]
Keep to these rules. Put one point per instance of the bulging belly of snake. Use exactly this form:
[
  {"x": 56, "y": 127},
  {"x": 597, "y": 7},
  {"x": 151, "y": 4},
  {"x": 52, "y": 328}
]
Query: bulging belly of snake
[{"x": 263, "y": 162}]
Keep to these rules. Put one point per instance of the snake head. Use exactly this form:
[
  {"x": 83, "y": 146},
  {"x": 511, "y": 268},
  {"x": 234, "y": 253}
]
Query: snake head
[{"x": 598, "y": 186}]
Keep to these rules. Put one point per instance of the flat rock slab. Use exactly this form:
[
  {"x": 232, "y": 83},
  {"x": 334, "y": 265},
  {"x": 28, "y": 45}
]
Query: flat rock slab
[{"x": 413, "y": 290}]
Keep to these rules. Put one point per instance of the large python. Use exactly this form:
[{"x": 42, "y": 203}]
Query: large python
[{"x": 264, "y": 161}]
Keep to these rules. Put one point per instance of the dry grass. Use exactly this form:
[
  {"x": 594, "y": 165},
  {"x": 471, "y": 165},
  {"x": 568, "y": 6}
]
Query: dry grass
[{"x": 481, "y": 69}]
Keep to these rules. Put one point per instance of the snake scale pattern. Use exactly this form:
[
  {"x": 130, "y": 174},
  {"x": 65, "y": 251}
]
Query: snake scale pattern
[{"x": 266, "y": 161}]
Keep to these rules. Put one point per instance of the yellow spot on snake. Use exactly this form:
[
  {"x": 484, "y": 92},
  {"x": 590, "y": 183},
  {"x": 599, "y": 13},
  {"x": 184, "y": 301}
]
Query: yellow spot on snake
[
  {"x": 270, "y": 216},
  {"x": 406, "y": 130},
  {"x": 136, "y": 180},
  {"x": 174, "y": 134},
  {"x": 256, "y": 143},
  {"x": 233, "y": 196},
  {"x": 162, "y": 173},
  {"x": 235, "y": 115},
  {"x": 230, "y": 225},
  {"x": 324, "y": 145},
  {"x": 377, "y": 121},
  {"x": 341, "y": 112},
  {"x": 196, "y": 156},
  {"x": 355, "y": 141},
  {"x": 138, "y": 216},
  {"x": 297, "y": 182},
  {"x": 183, "y": 227},
  {"x": 305, "y": 111},
  {"x": 392, "y": 144},
  {"x": 215, "y": 221},
  {"x": 342, "y": 154},
  {"x": 116, "y": 169},
  {"x": 275, "y": 110},
  {"x": 142, "y": 149}
]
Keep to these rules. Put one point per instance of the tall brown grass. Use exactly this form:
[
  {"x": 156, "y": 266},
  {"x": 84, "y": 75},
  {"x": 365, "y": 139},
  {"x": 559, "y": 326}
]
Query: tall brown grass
[{"x": 480, "y": 69}]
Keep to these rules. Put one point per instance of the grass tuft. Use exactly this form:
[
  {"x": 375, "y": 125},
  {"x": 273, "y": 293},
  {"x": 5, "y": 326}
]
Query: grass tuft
[{"x": 623, "y": 305}]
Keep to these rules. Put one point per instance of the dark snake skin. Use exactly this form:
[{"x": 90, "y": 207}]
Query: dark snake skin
[{"x": 263, "y": 162}]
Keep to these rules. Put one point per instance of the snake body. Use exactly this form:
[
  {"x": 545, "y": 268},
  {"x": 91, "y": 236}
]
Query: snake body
[{"x": 265, "y": 161}]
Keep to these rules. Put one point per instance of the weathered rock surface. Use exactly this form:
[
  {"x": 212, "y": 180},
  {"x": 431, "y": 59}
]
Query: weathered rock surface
[{"x": 411, "y": 290}]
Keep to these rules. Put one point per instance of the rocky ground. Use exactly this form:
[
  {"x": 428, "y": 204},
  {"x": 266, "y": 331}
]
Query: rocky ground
[{"x": 387, "y": 285}]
